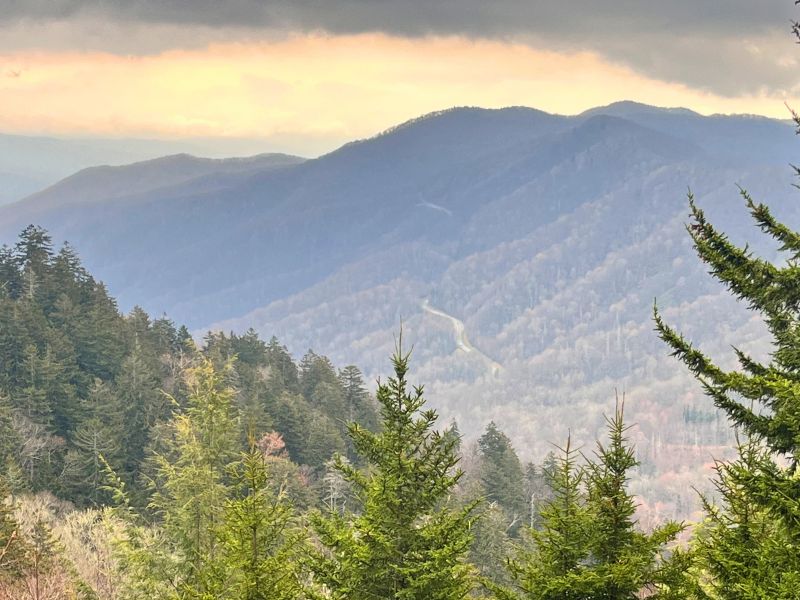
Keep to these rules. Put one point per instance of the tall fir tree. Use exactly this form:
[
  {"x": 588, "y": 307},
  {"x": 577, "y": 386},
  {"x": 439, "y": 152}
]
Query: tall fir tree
[
  {"x": 261, "y": 544},
  {"x": 588, "y": 546},
  {"x": 33, "y": 253},
  {"x": 9, "y": 439},
  {"x": 502, "y": 477},
  {"x": 315, "y": 370},
  {"x": 283, "y": 375},
  {"x": 191, "y": 491},
  {"x": 492, "y": 547},
  {"x": 137, "y": 389},
  {"x": 408, "y": 543},
  {"x": 740, "y": 550},
  {"x": 560, "y": 546},
  {"x": 761, "y": 399},
  {"x": 97, "y": 444},
  {"x": 360, "y": 406},
  {"x": 627, "y": 561}
]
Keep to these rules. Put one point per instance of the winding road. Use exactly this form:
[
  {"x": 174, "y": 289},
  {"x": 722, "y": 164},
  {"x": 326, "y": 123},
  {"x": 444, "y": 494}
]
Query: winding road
[{"x": 461, "y": 339}]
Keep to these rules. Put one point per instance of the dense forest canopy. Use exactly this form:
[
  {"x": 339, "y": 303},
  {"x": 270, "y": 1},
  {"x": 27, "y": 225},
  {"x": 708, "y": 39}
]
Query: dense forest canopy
[{"x": 80, "y": 381}]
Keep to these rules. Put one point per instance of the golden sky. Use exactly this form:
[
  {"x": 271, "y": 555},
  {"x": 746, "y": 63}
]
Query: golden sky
[{"x": 316, "y": 91}]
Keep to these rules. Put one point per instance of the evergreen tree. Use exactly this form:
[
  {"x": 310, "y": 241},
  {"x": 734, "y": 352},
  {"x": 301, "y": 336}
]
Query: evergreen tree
[
  {"x": 96, "y": 445},
  {"x": 588, "y": 546},
  {"x": 191, "y": 487},
  {"x": 561, "y": 546},
  {"x": 329, "y": 398},
  {"x": 100, "y": 344},
  {"x": 14, "y": 339},
  {"x": 740, "y": 550},
  {"x": 138, "y": 391},
  {"x": 761, "y": 399},
  {"x": 70, "y": 279},
  {"x": 407, "y": 543},
  {"x": 33, "y": 398},
  {"x": 93, "y": 441},
  {"x": 32, "y": 255},
  {"x": 453, "y": 433},
  {"x": 316, "y": 370},
  {"x": 10, "y": 281},
  {"x": 293, "y": 416},
  {"x": 249, "y": 349},
  {"x": 254, "y": 418},
  {"x": 322, "y": 442},
  {"x": 283, "y": 372},
  {"x": 164, "y": 337},
  {"x": 501, "y": 475},
  {"x": 627, "y": 560},
  {"x": 64, "y": 382},
  {"x": 9, "y": 440},
  {"x": 260, "y": 543},
  {"x": 492, "y": 547},
  {"x": 41, "y": 557},
  {"x": 360, "y": 406},
  {"x": 185, "y": 342}
]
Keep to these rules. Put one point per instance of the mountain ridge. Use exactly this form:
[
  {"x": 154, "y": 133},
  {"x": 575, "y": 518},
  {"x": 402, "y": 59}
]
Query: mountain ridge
[
  {"x": 30, "y": 163},
  {"x": 546, "y": 236},
  {"x": 87, "y": 185}
]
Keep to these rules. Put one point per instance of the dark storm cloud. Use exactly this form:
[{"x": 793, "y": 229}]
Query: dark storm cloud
[
  {"x": 571, "y": 18},
  {"x": 726, "y": 46}
]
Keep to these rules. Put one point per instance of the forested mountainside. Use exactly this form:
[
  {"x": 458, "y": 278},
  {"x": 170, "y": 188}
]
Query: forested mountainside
[
  {"x": 135, "y": 464},
  {"x": 127, "y": 451},
  {"x": 442, "y": 187},
  {"x": 79, "y": 380},
  {"x": 522, "y": 251}
]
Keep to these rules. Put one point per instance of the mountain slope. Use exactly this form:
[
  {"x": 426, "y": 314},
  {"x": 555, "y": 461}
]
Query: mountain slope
[
  {"x": 545, "y": 237},
  {"x": 104, "y": 183},
  {"x": 429, "y": 181},
  {"x": 30, "y": 164}
]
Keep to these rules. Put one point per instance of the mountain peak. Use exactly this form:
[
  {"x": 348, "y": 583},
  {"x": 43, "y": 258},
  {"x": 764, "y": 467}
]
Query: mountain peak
[
  {"x": 626, "y": 108},
  {"x": 469, "y": 112}
]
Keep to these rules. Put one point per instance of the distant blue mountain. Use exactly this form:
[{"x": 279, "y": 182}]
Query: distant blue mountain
[
  {"x": 30, "y": 164},
  {"x": 266, "y": 233},
  {"x": 545, "y": 237}
]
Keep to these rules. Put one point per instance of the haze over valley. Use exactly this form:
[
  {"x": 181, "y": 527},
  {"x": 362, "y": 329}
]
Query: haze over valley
[{"x": 521, "y": 251}]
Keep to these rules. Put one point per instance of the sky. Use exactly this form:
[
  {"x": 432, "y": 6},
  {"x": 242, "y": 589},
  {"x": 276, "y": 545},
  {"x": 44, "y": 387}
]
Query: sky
[{"x": 305, "y": 76}]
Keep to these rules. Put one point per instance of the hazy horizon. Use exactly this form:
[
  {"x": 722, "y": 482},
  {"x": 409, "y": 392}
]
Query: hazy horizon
[{"x": 233, "y": 147}]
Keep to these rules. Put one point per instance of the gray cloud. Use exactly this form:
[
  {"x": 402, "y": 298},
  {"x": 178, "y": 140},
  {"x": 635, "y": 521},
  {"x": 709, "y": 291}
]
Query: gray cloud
[
  {"x": 724, "y": 46},
  {"x": 573, "y": 18}
]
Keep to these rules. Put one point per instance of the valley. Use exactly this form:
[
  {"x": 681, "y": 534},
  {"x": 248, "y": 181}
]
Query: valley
[{"x": 538, "y": 242}]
